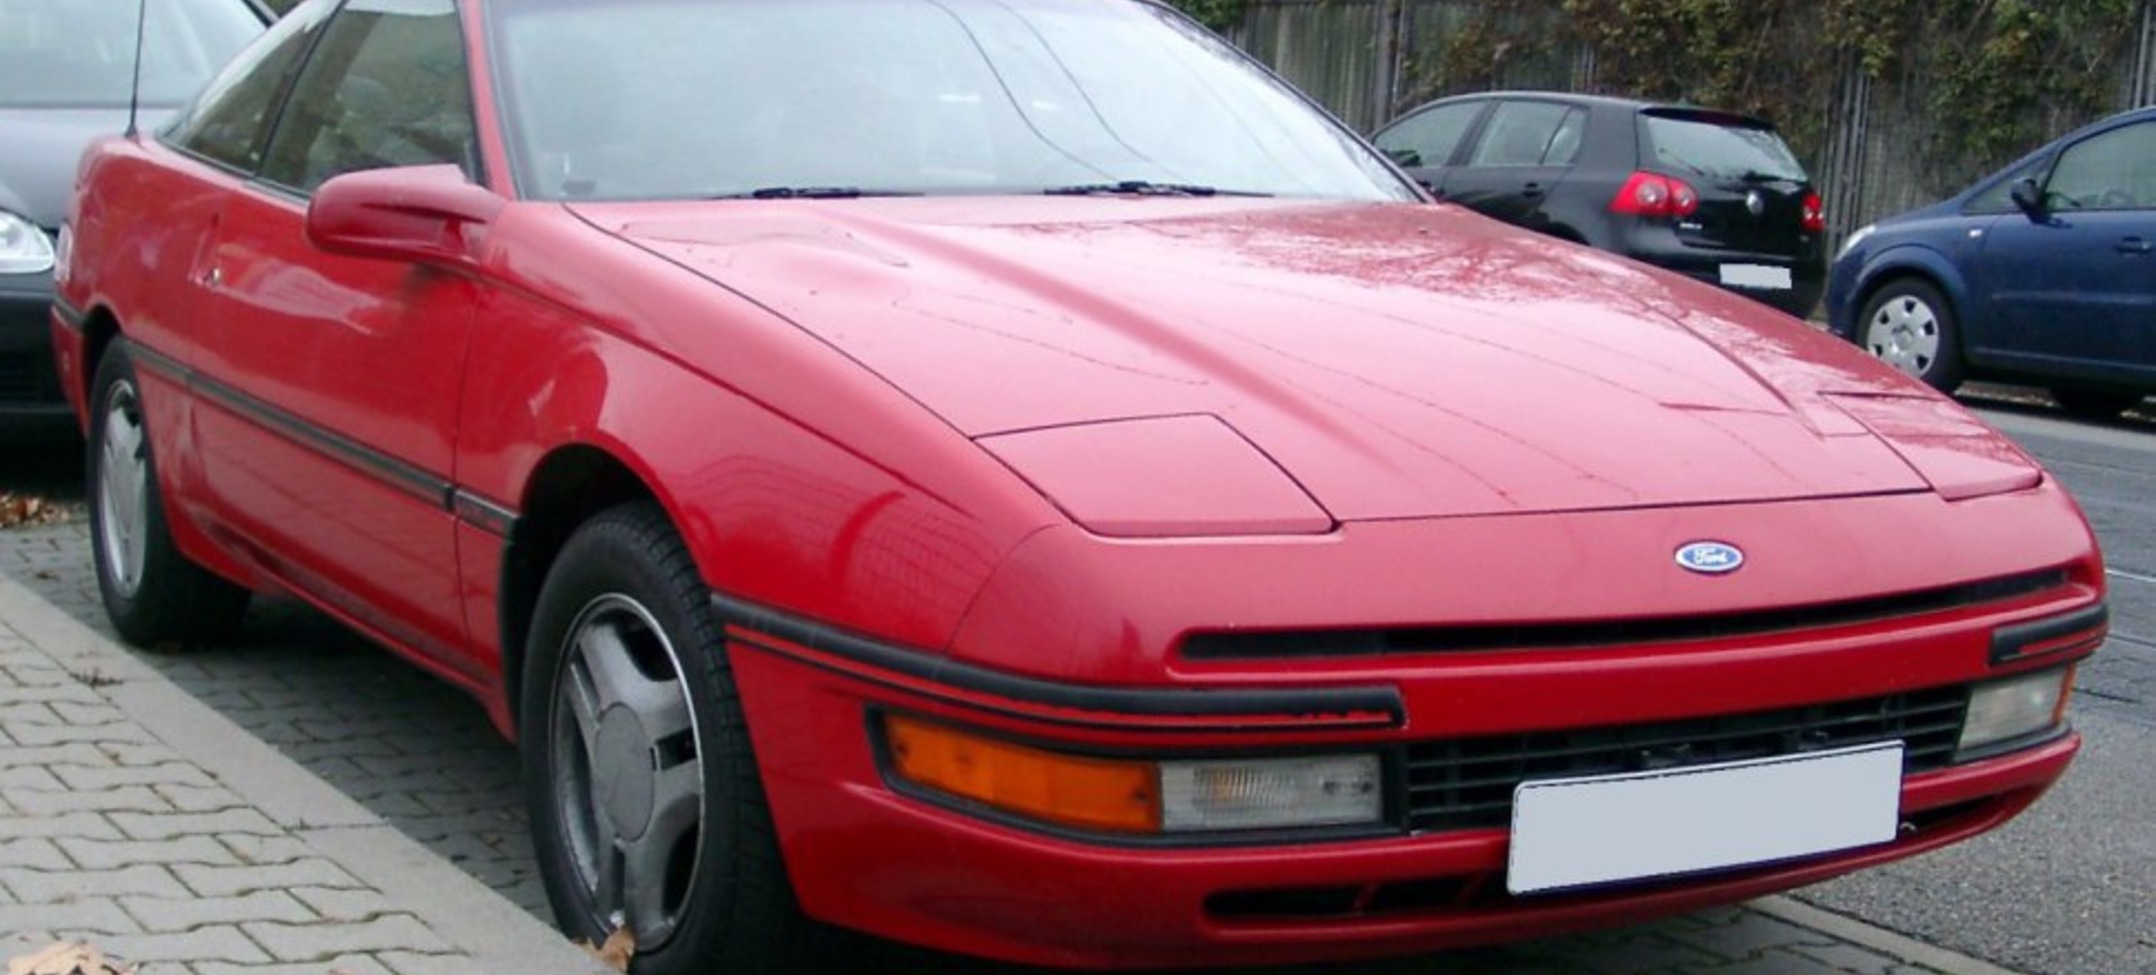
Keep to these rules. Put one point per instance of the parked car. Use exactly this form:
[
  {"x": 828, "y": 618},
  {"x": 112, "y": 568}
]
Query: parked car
[
  {"x": 2043, "y": 272},
  {"x": 1012, "y": 476},
  {"x": 1713, "y": 195},
  {"x": 67, "y": 74}
]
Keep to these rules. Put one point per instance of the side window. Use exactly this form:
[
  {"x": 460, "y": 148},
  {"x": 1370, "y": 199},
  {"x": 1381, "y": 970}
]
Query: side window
[
  {"x": 1428, "y": 138},
  {"x": 387, "y": 86},
  {"x": 2112, "y": 171},
  {"x": 1565, "y": 145},
  {"x": 229, "y": 121},
  {"x": 1520, "y": 134}
]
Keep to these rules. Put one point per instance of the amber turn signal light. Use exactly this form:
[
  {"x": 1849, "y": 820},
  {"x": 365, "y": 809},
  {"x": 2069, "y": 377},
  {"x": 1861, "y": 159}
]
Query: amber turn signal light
[{"x": 1070, "y": 790}]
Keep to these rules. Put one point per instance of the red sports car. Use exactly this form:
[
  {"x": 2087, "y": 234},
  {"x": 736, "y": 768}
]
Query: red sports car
[{"x": 1010, "y": 475}]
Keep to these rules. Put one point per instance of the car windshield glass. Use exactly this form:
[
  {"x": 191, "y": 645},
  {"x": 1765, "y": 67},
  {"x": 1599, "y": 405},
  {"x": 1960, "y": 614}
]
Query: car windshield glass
[
  {"x": 81, "y": 53},
  {"x": 1720, "y": 148},
  {"x": 681, "y": 99}
]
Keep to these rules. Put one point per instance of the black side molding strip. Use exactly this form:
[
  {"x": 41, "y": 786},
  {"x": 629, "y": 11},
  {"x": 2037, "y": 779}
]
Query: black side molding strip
[
  {"x": 1315, "y": 704},
  {"x": 486, "y": 515},
  {"x": 2051, "y": 635}
]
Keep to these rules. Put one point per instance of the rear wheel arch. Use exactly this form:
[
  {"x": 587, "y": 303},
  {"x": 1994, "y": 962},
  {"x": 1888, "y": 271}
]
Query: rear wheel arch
[{"x": 572, "y": 485}]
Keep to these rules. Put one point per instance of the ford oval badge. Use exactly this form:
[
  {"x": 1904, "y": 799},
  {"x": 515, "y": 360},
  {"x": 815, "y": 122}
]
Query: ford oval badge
[{"x": 1710, "y": 558}]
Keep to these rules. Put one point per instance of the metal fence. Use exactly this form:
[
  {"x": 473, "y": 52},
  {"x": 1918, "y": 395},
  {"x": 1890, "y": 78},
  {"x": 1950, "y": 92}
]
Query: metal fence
[{"x": 1359, "y": 59}]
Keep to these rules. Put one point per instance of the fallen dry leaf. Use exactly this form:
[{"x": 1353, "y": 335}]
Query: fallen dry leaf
[
  {"x": 615, "y": 953},
  {"x": 67, "y": 958},
  {"x": 23, "y": 509}
]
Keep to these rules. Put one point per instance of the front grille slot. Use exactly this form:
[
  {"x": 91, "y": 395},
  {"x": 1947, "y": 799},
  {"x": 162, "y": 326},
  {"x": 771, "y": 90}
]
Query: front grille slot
[
  {"x": 1297, "y": 644},
  {"x": 1468, "y": 783}
]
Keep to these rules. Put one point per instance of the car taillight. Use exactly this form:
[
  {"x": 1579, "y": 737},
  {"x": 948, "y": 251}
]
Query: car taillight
[
  {"x": 1655, "y": 195},
  {"x": 1815, "y": 214}
]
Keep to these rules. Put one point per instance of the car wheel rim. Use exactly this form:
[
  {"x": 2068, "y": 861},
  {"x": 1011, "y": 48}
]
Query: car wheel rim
[
  {"x": 627, "y": 778},
  {"x": 123, "y": 478},
  {"x": 1904, "y": 333}
]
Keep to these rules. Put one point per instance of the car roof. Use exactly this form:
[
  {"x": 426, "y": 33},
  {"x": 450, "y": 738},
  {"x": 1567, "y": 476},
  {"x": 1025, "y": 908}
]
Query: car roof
[{"x": 1613, "y": 102}]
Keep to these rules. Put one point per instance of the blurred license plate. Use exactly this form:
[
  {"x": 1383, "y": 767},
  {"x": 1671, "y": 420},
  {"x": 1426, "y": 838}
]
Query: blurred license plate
[
  {"x": 1575, "y": 832},
  {"x": 1755, "y": 276}
]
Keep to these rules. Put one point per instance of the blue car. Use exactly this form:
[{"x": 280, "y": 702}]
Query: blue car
[{"x": 2042, "y": 273}]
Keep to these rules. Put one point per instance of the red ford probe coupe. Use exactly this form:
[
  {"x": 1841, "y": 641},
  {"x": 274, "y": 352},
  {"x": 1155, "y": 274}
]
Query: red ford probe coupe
[{"x": 1011, "y": 476}]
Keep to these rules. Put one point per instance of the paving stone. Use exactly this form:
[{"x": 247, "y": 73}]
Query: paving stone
[
  {"x": 91, "y": 825},
  {"x": 98, "y": 712},
  {"x": 35, "y": 734},
  {"x": 168, "y": 914},
  {"x": 343, "y": 905},
  {"x": 197, "y": 799},
  {"x": 229, "y": 881},
  {"x": 1851, "y": 959},
  {"x": 170, "y": 773},
  {"x": 105, "y": 854},
  {"x": 208, "y": 943},
  {"x": 35, "y": 852},
  {"x": 46, "y": 887},
  {"x": 133, "y": 798},
  {"x": 29, "y": 777},
  {"x": 250, "y": 848},
  {"x": 1755, "y": 936},
  {"x": 74, "y": 920},
  {"x": 224, "y": 822},
  {"x": 411, "y": 963},
  {"x": 341, "y": 965},
  {"x": 305, "y": 942},
  {"x": 74, "y": 754}
]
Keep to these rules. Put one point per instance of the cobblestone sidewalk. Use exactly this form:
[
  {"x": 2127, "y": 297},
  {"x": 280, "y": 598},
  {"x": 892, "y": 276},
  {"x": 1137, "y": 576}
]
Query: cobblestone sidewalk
[{"x": 137, "y": 819}]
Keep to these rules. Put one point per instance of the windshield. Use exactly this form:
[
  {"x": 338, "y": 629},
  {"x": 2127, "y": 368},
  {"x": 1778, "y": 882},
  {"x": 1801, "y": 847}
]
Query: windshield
[
  {"x": 1733, "y": 149},
  {"x": 680, "y": 99},
  {"x": 81, "y": 53}
]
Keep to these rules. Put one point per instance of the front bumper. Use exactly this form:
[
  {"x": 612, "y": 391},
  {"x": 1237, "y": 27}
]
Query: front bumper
[
  {"x": 30, "y": 392},
  {"x": 870, "y": 855}
]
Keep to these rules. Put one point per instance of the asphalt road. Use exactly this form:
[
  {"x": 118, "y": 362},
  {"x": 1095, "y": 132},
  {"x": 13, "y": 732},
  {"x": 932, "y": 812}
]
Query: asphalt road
[{"x": 2068, "y": 889}]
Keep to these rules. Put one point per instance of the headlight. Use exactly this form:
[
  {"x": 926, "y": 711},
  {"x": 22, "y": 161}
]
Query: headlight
[
  {"x": 24, "y": 248},
  {"x": 1136, "y": 796},
  {"x": 1855, "y": 237},
  {"x": 2007, "y": 709}
]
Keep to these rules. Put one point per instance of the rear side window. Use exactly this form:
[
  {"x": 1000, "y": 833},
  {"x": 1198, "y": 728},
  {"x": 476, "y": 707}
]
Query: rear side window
[
  {"x": 1428, "y": 138},
  {"x": 229, "y": 121},
  {"x": 1714, "y": 145},
  {"x": 386, "y": 87},
  {"x": 1527, "y": 134}
]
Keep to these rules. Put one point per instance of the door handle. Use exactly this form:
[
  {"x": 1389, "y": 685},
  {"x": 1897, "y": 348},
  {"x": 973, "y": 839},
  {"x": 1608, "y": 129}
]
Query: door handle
[
  {"x": 1531, "y": 190},
  {"x": 2135, "y": 245}
]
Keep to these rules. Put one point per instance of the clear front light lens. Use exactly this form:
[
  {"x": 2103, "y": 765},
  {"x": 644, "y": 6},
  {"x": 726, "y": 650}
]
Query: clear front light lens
[
  {"x": 1262, "y": 793},
  {"x": 2017, "y": 706},
  {"x": 24, "y": 248}
]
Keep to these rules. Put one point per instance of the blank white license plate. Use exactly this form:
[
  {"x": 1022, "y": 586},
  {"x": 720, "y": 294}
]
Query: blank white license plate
[
  {"x": 1576, "y": 832},
  {"x": 1756, "y": 276}
]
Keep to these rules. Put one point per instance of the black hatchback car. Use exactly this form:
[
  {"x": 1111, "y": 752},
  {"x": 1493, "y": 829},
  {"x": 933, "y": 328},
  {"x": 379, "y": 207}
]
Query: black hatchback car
[{"x": 1713, "y": 195}]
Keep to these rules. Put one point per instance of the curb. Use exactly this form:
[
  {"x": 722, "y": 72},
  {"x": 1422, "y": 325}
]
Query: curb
[{"x": 497, "y": 935}]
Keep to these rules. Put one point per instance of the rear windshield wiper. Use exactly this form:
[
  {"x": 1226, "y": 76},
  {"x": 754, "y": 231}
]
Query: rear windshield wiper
[
  {"x": 809, "y": 193},
  {"x": 1139, "y": 187}
]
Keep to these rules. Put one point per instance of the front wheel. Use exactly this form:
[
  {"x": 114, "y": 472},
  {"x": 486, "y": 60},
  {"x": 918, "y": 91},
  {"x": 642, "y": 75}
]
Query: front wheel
[
  {"x": 152, "y": 592},
  {"x": 1909, "y": 325},
  {"x": 645, "y": 803}
]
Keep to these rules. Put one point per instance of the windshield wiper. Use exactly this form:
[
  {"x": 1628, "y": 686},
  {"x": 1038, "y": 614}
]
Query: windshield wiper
[
  {"x": 1139, "y": 187},
  {"x": 809, "y": 193}
]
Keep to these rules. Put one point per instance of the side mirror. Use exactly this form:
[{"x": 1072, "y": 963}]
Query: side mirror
[
  {"x": 2029, "y": 197},
  {"x": 422, "y": 214}
]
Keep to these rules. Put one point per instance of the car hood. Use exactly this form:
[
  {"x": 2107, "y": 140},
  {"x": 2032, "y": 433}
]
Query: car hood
[
  {"x": 39, "y": 148},
  {"x": 1394, "y": 361}
]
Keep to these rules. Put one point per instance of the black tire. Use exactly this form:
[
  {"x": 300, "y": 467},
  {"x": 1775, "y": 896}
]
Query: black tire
[
  {"x": 2094, "y": 404},
  {"x": 154, "y": 594},
  {"x": 1909, "y": 325},
  {"x": 624, "y": 624}
]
